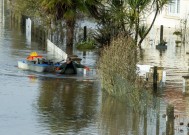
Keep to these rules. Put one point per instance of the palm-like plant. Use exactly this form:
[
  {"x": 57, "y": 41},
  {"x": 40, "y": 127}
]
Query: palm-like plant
[
  {"x": 158, "y": 6},
  {"x": 136, "y": 8},
  {"x": 68, "y": 10},
  {"x": 126, "y": 16},
  {"x": 58, "y": 10},
  {"x": 112, "y": 22},
  {"x": 27, "y": 7}
]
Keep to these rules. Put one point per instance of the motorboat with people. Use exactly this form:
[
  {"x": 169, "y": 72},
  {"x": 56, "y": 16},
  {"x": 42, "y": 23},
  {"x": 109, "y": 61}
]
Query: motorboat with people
[{"x": 37, "y": 63}]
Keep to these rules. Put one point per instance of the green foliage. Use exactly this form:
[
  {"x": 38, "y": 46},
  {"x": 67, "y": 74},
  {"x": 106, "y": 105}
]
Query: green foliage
[
  {"x": 118, "y": 71},
  {"x": 56, "y": 9},
  {"x": 127, "y": 17},
  {"x": 118, "y": 74},
  {"x": 178, "y": 33},
  {"x": 68, "y": 9},
  {"x": 142, "y": 31},
  {"x": 177, "y": 42},
  {"x": 111, "y": 23},
  {"x": 118, "y": 61},
  {"x": 89, "y": 44},
  {"x": 53, "y": 11},
  {"x": 138, "y": 4},
  {"x": 26, "y": 7}
]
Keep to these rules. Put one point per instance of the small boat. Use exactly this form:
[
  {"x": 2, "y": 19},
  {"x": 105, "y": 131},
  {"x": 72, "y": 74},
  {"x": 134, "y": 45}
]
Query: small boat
[
  {"x": 37, "y": 63},
  {"x": 41, "y": 67}
]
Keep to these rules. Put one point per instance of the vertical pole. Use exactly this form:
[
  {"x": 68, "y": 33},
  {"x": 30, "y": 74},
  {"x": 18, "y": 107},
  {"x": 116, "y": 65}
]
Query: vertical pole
[
  {"x": 23, "y": 23},
  {"x": 85, "y": 33},
  {"x": 158, "y": 116},
  {"x": 42, "y": 36},
  {"x": 32, "y": 30},
  {"x": 155, "y": 75},
  {"x": 161, "y": 34},
  {"x": 170, "y": 120},
  {"x": 84, "y": 53},
  {"x": 45, "y": 37},
  {"x": 145, "y": 121},
  {"x": 3, "y": 12}
]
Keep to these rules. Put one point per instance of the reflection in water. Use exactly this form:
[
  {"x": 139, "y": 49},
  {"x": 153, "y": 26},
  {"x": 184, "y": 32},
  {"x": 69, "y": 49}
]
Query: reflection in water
[
  {"x": 32, "y": 78},
  {"x": 175, "y": 62},
  {"x": 117, "y": 118},
  {"x": 67, "y": 105}
]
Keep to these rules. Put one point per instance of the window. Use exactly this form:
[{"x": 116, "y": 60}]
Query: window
[{"x": 174, "y": 7}]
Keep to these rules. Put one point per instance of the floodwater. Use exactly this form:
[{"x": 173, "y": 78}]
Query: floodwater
[{"x": 43, "y": 104}]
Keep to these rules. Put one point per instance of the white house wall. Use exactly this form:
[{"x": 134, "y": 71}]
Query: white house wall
[
  {"x": 169, "y": 20},
  {"x": 184, "y": 8}
]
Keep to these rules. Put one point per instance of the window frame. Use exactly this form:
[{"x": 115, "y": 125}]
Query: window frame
[{"x": 174, "y": 8}]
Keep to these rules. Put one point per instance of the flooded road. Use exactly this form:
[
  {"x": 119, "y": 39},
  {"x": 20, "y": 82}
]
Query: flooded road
[{"x": 41, "y": 104}]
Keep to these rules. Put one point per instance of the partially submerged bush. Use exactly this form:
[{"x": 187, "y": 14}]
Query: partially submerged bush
[
  {"x": 86, "y": 45},
  {"x": 118, "y": 71},
  {"x": 178, "y": 33},
  {"x": 118, "y": 60},
  {"x": 177, "y": 41}
]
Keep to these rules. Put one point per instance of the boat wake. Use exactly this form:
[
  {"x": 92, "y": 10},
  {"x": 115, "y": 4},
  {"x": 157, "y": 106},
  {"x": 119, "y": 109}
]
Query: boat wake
[{"x": 16, "y": 72}]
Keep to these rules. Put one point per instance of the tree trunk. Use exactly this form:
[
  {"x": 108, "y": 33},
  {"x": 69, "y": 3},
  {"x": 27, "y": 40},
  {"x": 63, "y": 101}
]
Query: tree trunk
[
  {"x": 70, "y": 26},
  {"x": 142, "y": 38}
]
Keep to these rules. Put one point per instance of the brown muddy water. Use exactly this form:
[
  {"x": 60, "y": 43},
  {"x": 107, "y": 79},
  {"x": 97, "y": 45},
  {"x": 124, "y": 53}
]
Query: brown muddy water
[{"x": 43, "y": 104}]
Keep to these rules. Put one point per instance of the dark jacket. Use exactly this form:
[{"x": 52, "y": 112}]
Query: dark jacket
[{"x": 74, "y": 65}]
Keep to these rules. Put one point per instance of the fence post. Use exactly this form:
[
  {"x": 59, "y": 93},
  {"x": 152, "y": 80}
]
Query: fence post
[
  {"x": 161, "y": 34},
  {"x": 155, "y": 77},
  {"x": 170, "y": 120},
  {"x": 85, "y": 33}
]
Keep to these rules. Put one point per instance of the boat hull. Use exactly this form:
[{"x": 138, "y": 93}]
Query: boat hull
[{"x": 26, "y": 65}]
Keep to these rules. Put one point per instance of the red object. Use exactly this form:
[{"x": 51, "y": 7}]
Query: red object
[
  {"x": 33, "y": 57},
  {"x": 57, "y": 68},
  {"x": 87, "y": 68}
]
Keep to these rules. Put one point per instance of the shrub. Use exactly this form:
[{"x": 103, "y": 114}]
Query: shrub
[
  {"x": 89, "y": 44},
  {"x": 118, "y": 60},
  {"x": 118, "y": 71},
  {"x": 178, "y": 33}
]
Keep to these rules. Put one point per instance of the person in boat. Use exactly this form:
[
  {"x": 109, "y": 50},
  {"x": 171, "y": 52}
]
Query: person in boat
[
  {"x": 70, "y": 67},
  {"x": 34, "y": 57}
]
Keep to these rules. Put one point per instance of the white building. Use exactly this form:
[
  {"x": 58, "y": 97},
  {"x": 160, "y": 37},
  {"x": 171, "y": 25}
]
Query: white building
[{"x": 173, "y": 15}]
